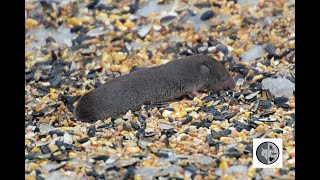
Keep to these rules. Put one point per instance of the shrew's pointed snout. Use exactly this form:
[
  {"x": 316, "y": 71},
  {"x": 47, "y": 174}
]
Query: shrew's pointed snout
[{"x": 229, "y": 84}]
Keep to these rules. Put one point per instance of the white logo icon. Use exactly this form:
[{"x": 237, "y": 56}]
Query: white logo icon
[{"x": 267, "y": 153}]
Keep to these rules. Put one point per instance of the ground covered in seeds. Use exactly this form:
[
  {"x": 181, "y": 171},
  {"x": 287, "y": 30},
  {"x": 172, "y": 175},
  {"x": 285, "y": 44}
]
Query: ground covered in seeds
[{"x": 74, "y": 46}]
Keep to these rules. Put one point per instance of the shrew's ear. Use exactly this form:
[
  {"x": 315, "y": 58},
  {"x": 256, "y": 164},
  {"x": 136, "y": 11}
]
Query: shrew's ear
[{"x": 204, "y": 69}]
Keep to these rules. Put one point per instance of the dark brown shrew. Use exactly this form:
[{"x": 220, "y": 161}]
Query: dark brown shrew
[{"x": 155, "y": 84}]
